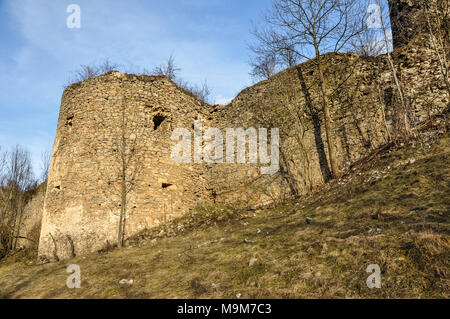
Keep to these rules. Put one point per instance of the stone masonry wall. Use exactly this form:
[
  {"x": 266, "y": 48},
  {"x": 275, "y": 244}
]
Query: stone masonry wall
[
  {"x": 83, "y": 198},
  {"x": 82, "y": 205},
  {"x": 363, "y": 111},
  {"x": 409, "y": 18},
  {"x": 30, "y": 228}
]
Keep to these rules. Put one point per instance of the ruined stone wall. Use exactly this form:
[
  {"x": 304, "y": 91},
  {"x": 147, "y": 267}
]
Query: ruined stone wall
[
  {"x": 363, "y": 112},
  {"x": 409, "y": 18},
  {"x": 406, "y": 20},
  {"x": 30, "y": 227},
  {"x": 82, "y": 205},
  {"x": 83, "y": 198}
]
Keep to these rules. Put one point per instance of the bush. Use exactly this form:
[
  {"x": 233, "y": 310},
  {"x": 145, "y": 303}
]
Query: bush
[{"x": 86, "y": 71}]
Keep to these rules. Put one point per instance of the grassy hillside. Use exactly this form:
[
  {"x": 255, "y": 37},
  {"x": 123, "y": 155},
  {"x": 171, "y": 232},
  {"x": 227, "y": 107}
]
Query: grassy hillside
[{"x": 392, "y": 210}]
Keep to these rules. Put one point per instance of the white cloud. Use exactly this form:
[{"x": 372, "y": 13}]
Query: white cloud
[
  {"x": 219, "y": 99},
  {"x": 128, "y": 33}
]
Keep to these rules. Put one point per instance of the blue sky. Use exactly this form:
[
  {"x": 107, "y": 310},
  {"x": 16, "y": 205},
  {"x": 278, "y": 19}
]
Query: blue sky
[{"x": 38, "y": 53}]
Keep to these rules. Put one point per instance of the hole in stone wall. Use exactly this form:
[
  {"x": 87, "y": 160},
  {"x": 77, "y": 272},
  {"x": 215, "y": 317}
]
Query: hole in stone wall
[
  {"x": 388, "y": 98},
  {"x": 166, "y": 185},
  {"x": 157, "y": 121},
  {"x": 58, "y": 187},
  {"x": 69, "y": 121}
]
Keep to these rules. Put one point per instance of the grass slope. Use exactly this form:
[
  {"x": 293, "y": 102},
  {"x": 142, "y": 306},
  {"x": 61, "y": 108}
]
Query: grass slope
[{"x": 392, "y": 210}]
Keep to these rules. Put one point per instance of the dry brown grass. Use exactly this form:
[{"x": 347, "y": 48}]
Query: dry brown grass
[{"x": 399, "y": 221}]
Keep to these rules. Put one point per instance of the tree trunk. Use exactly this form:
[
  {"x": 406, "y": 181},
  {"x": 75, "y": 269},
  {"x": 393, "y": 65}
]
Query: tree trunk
[
  {"x": 327, "y": 117},
  {"x": 20, "y": 216},
  {"x": 396, "y": 81},
  {"x": 123, "y": 192},
  {"x": 323, "y": 162},
  {"x": 122, "y": 214},
  {"x": 285, "y": 172}
]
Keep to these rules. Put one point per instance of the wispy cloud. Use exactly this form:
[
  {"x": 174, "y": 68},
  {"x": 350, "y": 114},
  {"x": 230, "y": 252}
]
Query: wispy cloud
[
  {"x": 207, "y": 38},
  {"x": 219, "y": 99}
]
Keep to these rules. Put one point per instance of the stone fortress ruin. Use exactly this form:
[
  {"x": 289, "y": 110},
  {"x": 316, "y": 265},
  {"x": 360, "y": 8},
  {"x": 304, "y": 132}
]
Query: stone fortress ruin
[{"x": 120, "y": 124}]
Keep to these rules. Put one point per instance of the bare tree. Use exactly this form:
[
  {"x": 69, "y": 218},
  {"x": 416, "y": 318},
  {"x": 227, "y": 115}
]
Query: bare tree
[
  {"x": 307, "y": 29},
  {"x": 403, "y": 112},
  {"x": 266, "y": 61},
  {"x": 169, "y": 69},
  {"x": 263, "y": 66},
  {"x": 125, "y": 156},
  {"x": 4, "y": 234},
  {"x": 2, "y": 165},
  {"x": 15, "y": 181},
  {"x": 45, "y": 164},
  {"x": 202, "y": 92},
  {"x": 369, "y": 44},
  {"x": 88, "y": 71}
]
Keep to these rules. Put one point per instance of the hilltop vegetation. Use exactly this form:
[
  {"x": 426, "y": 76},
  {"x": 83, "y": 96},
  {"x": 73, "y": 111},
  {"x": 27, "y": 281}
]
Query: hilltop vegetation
[{"x": 392, "y": 209}]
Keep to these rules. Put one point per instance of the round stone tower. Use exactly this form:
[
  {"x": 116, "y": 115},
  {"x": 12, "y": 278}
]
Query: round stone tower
[
  {"x": 408, "y": 18},
  {"x": 107, "y": 125}
]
